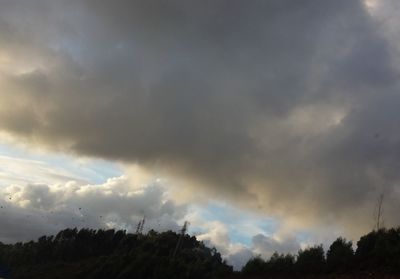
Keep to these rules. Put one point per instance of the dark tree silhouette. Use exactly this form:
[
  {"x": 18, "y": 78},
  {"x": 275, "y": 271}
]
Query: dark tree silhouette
[
  {"x": 254, "y": 267},
  {"x": 311, "y": 260},
  {"x": 340, "y": 255},
  {"x": 379, "y": 250},
  {"x": 113, "y": 254},
  {"x": 100, "y": 254},
  {"x": 280, "y": 264}
]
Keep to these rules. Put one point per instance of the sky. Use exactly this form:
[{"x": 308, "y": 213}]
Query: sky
[{"x": 268, "y": 125}]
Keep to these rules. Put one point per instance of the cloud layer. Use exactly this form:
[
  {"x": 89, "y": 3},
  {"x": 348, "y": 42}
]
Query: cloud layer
[
  {"x": 289, "y": 108},
  {"x": 30, "y": 211}
]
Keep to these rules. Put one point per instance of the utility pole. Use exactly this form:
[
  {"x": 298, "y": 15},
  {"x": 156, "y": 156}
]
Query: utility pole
[
  {"x": 140, "y": 225},
  {"x": 182, "y": 234},
  {"x": 379, "y": 212}
]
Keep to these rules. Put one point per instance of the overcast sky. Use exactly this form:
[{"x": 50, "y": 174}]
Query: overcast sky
[{"x": 284, "y": 112}]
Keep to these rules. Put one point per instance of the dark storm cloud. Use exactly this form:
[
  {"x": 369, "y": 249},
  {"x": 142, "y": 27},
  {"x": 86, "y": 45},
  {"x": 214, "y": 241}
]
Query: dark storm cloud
[{"x": 274, "y": 104}]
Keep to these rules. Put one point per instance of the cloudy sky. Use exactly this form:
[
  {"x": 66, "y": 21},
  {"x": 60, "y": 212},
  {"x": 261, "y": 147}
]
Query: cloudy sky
[{"x": 268, "y": 125}]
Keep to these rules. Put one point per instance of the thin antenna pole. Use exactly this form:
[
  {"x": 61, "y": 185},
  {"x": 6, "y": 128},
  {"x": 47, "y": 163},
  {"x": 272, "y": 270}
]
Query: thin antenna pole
[
  {"x": 143, "y": 221},
  {"x": 380, "y": 212},
  {"x": 140, "y": 225},
  {"x": 182, "y": 234}
]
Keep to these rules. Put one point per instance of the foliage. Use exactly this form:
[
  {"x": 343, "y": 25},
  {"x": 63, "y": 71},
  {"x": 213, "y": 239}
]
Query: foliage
[
  {"x": 280, "y": 264},
  {"x": 100, "y": 254},
  {"x": 255, "y": 266},
  {"x": 377, "y": 253},
  {"x": 379, "y": 250},
  {"x": 311, "y": 260},
  {"x": 340, "y": 255},
  {"x": 113, "y": 254}
]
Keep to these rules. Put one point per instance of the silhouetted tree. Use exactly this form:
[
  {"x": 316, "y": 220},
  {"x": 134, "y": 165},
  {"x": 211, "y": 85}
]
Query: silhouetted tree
[
  {"x": 254, "y": 267},
  {"x": 340, "y": 255},
  {"x": 379, "y": 250},
  {"x": 280, "y": 264},
  {"x": 311, "y": 260}
]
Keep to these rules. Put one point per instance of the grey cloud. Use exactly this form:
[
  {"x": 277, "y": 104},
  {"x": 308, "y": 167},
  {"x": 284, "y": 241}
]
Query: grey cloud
[
  {"x": 239, "y": 257},
  {"x": 269, "y": 103},
  {"x": 266, "y": 246},
  {"x": 33, "y": 210}
]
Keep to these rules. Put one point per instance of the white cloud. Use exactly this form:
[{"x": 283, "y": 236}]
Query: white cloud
[
  {"x": 36, "y": 209},
  {"x": 21, "y": 170}
]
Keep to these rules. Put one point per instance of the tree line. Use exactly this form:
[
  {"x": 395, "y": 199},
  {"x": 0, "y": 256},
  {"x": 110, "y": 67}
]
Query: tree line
[
  {"x": 377, "y": 252},
  {"x": 88, "y": 253},
  {"x": 109, "y": 254}
]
